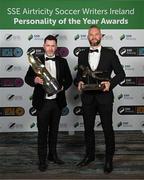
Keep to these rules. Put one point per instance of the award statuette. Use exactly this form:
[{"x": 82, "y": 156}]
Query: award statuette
[
  {"x": 92, "y": 79},
  {"x": 50, "y": 84}
]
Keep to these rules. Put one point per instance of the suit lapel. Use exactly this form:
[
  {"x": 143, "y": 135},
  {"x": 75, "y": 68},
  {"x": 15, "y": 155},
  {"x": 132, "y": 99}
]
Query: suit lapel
[
  {"x": 100, "y": 64},
  {"x": 42, "y": 59},
  {"x": 86, "y": 58},
  {"x": 57, "y": 68}
]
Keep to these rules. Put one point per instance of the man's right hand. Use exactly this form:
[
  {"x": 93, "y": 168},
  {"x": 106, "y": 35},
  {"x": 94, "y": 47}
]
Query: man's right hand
[
  {"x": 38, "y": 80},
  {"x": 80, "y": 84}
]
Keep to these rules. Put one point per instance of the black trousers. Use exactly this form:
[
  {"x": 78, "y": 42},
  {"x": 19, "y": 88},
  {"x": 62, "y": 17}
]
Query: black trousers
[
  {"x": 48, "y": 119},
  {"x": 89, "y": 114}
]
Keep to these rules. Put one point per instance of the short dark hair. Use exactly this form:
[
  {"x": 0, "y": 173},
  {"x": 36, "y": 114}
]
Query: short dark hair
[
  {"x": 94, "y": 26},
  {"x": 50, "y": 37}
]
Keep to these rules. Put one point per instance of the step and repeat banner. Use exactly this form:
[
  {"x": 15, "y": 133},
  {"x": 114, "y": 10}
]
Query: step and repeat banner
[{"x": 24, "y": 25}]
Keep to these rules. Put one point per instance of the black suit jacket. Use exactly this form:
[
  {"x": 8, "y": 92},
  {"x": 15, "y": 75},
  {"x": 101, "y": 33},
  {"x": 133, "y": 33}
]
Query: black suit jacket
[
  {"x": 109, "y": 62},
  {"x": 63, "y": 76}
]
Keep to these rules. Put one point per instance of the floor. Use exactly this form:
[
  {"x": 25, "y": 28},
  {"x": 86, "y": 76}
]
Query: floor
[{"x": 18, "y": 157}]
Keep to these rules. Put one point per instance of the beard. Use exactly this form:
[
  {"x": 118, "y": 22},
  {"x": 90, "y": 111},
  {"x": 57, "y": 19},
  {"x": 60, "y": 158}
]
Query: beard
[
  {"x": 95, "y": 43},
  {"x": 50, "y": 54}
]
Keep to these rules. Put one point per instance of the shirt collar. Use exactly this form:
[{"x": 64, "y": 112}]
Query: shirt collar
[
  {"x": 93, "y": 48},
  {"x": 45, "y": 55}
]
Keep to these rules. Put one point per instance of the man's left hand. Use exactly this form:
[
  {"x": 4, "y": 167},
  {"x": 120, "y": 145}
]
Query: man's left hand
[{"x": 106, "y": 85}]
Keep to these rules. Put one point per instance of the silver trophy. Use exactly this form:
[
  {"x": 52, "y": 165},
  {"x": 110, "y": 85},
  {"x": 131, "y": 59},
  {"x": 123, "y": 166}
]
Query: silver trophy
[
  {"x": 50, "y": 84},
  {"x": 92, "y": 79}
]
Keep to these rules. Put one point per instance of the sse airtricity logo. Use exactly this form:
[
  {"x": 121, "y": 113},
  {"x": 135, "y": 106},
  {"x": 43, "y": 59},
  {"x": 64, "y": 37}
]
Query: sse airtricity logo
[
  {"x": 12, "y": 67},
  {"x": 11, "y": 37},
  {"x": 61, "y": 51},
  {"x": 11, "y": 82},
  {"x": 12, "y": 111},
  {"x": 11, "y": 52},
  {"x": 131, "y": 110},
  {"x": 133, "y": 81},
  {"x": 131, "y": 51}
]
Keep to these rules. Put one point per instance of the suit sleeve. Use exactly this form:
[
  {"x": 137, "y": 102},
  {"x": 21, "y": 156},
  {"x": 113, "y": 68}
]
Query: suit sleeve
[
  {"x": 67, "y": 77},
  {"x": 118, "y": 71},
  {"x": 79, "y": 71},
  {"x": 30, "y": 76}
]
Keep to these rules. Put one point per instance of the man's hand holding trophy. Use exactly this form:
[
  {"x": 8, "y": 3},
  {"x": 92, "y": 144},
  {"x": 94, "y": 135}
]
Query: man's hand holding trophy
[
  {"x": 50, "y": 84},
  {"x": 93, "y": 80}
]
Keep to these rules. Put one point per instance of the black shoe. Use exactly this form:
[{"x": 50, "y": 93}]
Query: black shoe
[
  {"x": 108, "y": 167},
  {"x": 85, "y": 161},
  {"x": 55, "y": 159},
  {"x": 43, "y": 167}
]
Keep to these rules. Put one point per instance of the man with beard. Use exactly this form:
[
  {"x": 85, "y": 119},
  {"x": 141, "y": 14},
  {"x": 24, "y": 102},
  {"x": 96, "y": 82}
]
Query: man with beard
[
  {"x": 49, "y": 106},
  {"x": 98, "y": 58}
]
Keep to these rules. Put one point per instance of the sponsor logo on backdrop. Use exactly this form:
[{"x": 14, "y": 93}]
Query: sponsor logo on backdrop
[
  {"x": 142, "y": 126},
  {"x": 80, "y": 37},
  {"x": 131, "y": 51},
  {"x": 30, "y": 37},
  {"x": 11, "y": 37},
  {"x": 75, "y": 68},
  {"x": 77, "y": 50},
  {"x": 31, "y": 97},
  {"x": 131, "y": 110},
  {"x": 125, "y": 96},
  {"x": 98, "y": 124},
  {"x": 142, "y": 96},
  {"x": 11, "y": 82},
  {"x": 61, "y": 51},
  {"x": 13, "y": 125},
  {"x": 107, "y": 37},
  {"x": 12, "y": 111},
  {"x": 122, "y": 37},
  {"x": 11, "y": 52},
  {"x": 32, "y": 125},
  {"x": 78, "y": 125},
  {"x": 60, "y": 36},
  {"x": 84, "y": 37},
  {"x": 35, "y": 37},
  {"x": 128, "y": 67},
  {"x": 133, "y": 81},
  {"x": 124, "y": 124},
  {"x": 119, "y": 124},
  {"x": 13, "y": 97},
  {"x": 39, "y": 38},
  {"x": 128, "y": 37},
  {"x": 77, "y": 110},
  {"x": 32, "y": 111},
  {"x": 11, "y": 67},
  {"x": 120, "y": 96},
  {"x": 65, "y": 111}
]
